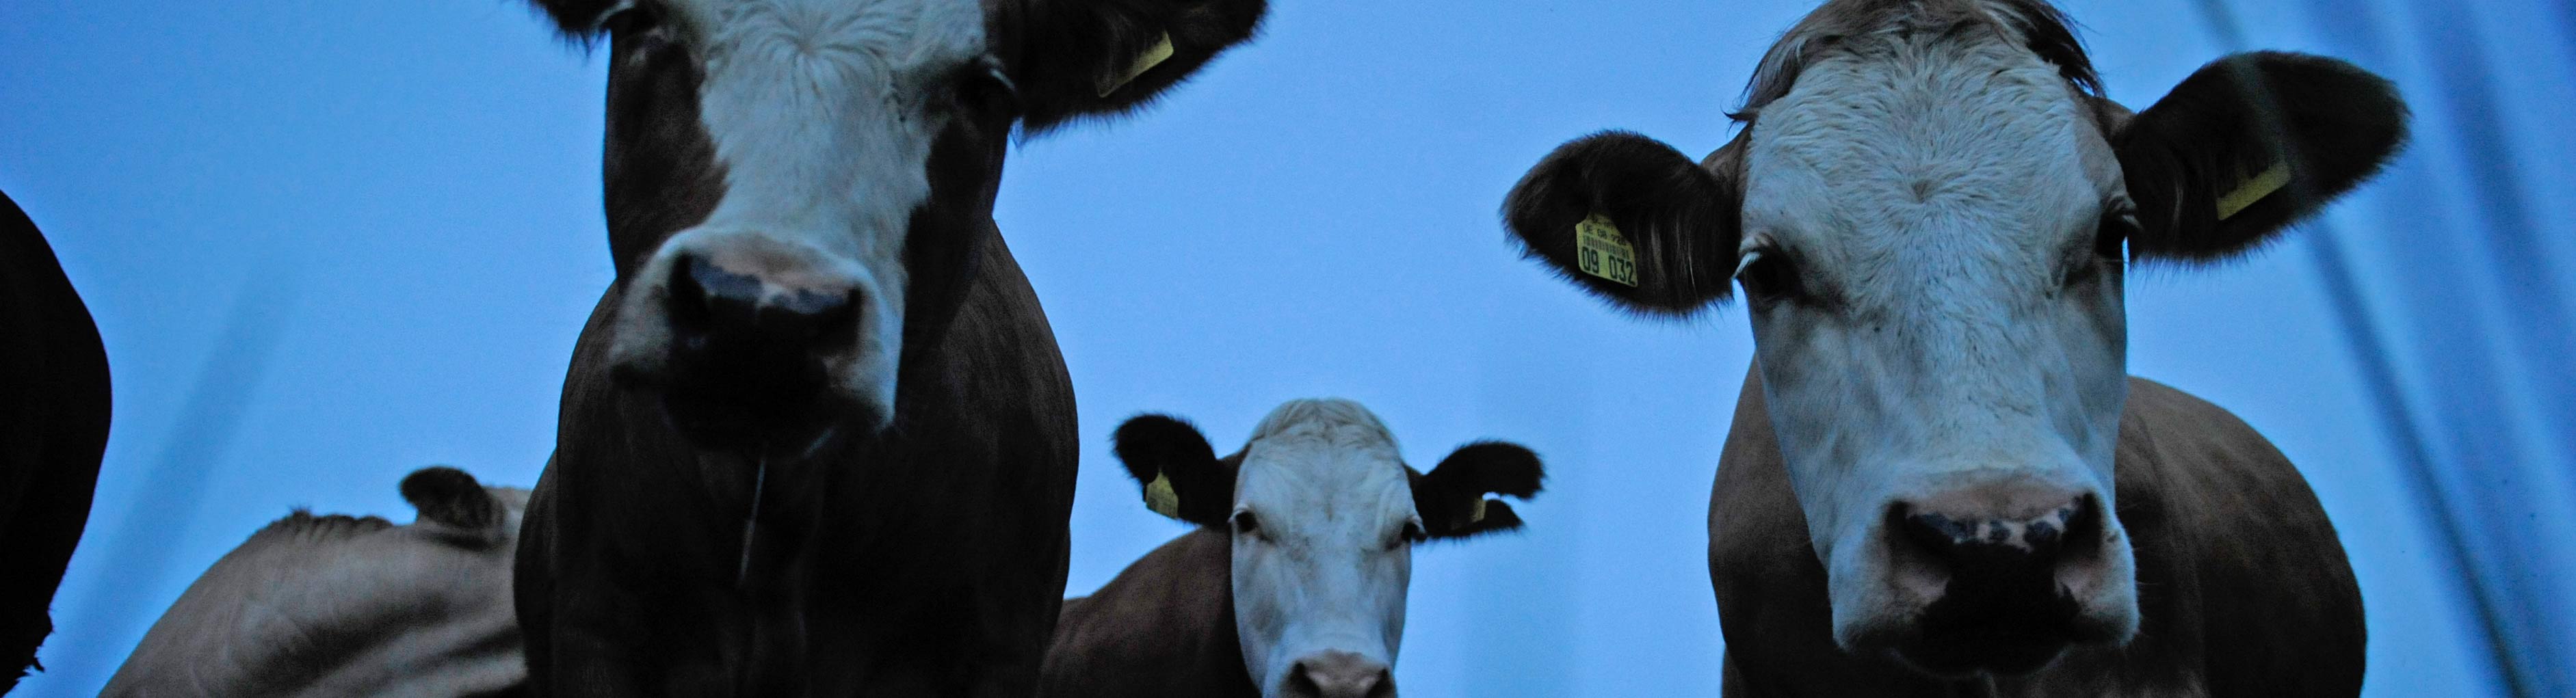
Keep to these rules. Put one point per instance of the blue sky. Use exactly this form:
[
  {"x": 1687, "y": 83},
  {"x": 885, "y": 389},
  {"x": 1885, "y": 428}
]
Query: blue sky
[{"x": 330, "y": 242}]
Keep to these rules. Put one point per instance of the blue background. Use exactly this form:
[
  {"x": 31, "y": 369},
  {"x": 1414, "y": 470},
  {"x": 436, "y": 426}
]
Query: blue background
[{"x": 330, "y": 242}]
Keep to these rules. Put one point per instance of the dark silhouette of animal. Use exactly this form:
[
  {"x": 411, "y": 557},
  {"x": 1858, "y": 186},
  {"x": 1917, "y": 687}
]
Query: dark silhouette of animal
[{"x": 53, "y": 428}]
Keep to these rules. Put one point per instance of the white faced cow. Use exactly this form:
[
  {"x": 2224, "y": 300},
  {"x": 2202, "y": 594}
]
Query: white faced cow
[
  {"x": 817, "y": 439},
  {"x": 1939, "y": 478},
  {"x": 53, "y": 428},
  {"x": 1294, "y": 584},
  {"x": 329, "y": 606}
]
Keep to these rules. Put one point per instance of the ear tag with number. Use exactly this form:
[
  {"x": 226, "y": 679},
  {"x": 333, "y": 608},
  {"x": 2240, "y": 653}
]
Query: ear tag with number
[
  {"x": 1153, "y": 56},
  {"x": 1601, "y": 251},
  {"x": 1160, "y": 498},
  {"x": 2254, "y": 189}
]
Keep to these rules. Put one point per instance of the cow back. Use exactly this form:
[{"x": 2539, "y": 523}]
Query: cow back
[{"x": 2243, "y": 587}]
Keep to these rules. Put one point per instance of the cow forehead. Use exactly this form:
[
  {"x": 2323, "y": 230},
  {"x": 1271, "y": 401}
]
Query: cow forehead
[
  {"x": 1326, "y": 460},
  {"x": 1914, "y": 153},
  {"x": 892, "y": 34}
]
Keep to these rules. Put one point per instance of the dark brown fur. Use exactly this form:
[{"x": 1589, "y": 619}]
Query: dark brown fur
[
  {"x": 53, "y": 429},
  {"x": 927, "y": 559},
  {"x": 1163, "y": 627}
]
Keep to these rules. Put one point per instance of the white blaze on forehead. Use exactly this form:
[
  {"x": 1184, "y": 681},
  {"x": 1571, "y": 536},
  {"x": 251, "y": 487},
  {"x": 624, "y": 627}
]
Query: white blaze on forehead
[
  {"x": 1331, "y": 492},
  {"x": 822, "y": 114}
]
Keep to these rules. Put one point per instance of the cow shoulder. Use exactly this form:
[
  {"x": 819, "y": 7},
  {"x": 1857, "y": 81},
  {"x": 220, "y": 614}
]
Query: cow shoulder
[{"x": 2207, "y": 498}]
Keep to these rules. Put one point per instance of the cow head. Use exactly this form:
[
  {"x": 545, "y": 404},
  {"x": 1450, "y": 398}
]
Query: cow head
[
  {"x": 789, "y": 180},
  {"x": 1324, "y": 516},
  {"x": 1927, "y": 210}
]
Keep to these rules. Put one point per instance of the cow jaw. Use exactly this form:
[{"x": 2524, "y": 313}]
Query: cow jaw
[
  {"x": 1320, "y": 557},
  {"x": 790, "y": 294},
  {"x": 1950, "y": 362}
]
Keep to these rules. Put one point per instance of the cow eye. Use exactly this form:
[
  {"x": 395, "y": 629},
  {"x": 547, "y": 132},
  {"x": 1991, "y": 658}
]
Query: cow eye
[
  {"x": 1410, "y": 534},
  {"x": 627, "y": 17},
  {"x": 982, "y": 88},
  {"x": 1769, "y": 276},
  {"x": 2119, "y": 224},
  {"x": 1245, "y": 524}
]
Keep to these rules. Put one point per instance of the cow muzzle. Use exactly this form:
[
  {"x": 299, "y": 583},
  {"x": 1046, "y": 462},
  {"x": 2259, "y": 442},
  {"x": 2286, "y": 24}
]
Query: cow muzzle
[
  {"x": 1337, "y": 674},
  {"x": 2000, "y": 578},
  {"x": 755, "y": 345}
]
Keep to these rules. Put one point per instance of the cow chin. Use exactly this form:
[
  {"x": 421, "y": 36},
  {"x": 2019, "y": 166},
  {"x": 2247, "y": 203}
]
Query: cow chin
[
  {"x": 758, "y": 348},
  {"x": 1954, "y": 624}
]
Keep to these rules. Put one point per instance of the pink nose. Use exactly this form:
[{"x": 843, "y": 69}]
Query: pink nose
[
  {"x": 2000, "y": 566},
  {"x": 1340, "y": 675}
]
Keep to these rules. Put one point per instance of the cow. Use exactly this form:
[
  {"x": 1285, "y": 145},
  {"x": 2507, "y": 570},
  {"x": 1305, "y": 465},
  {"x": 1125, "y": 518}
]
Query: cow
[
  {"x": 817, "y": 437},
  {"x": 53, "y": 430},
  {"x": 1940, "y": 479},
  {"x": 339, "y": 605},
  {"x": 1293, "y": 584}
]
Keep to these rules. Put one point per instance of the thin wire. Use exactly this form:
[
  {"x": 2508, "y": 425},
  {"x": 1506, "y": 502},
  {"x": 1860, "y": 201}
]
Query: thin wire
[{"x": 751, "y": 523}]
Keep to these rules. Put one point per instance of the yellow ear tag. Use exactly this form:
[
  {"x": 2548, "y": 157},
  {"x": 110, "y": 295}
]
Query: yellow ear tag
[
  {"x": 2253, "y": 190},
  {"x": 1476, "y": 513},
  {"x": 1153, "y": 56},
  {"x": 1160, "y": 498},
  {"x": 1601, "y": 251}
]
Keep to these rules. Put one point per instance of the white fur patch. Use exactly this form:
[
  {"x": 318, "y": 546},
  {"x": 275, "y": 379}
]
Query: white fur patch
[
  {"x": 821, "y": 117},
  {"x": 1931, "y": 187},
  {"x": 1331, "y": 493}
]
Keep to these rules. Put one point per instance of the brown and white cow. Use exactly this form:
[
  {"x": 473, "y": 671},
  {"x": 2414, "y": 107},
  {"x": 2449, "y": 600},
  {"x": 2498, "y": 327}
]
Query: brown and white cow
[
  {"x": 53, "y": 428},
  {"x": 329, "y": 606},
  {"x": 1940, "y": 478},
  {"x": 1293, "y": 586},
  {"x": 817, "y": 439}
]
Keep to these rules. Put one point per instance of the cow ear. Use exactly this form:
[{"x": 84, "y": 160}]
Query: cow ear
[
  {"x": 1181, "y": 474},
  {"x": 1632, "y": 220},
  {"x": 580, "y": 19},
  {"x": 453, "y": 500},
  {"x": 1082, "y": 58},
  {"x": 2250, "y": 144},
  {"x": 1451, "y": 498}
]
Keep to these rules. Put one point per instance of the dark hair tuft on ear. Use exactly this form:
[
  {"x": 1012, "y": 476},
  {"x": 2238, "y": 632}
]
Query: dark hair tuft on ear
[
  {"x": 450, "y": 496},
  {"x": 1151, "y": 441},
  {"x": 2251, "y": 144},
  {"x": 1678, "y": 217},
  {"x": 1451, "y": 498},
  {"x": 1499, "y": 467}
]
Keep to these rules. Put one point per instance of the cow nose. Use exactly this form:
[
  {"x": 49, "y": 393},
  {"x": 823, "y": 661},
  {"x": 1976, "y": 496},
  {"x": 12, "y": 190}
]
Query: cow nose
[
  {"x": 1340, "y": 675},
  {"x": 1973, "y": 538},
  {"x": 1994, "y": 571},
  {"x": 748, "y": 349},
  {"x": 710, "y": 304}
]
